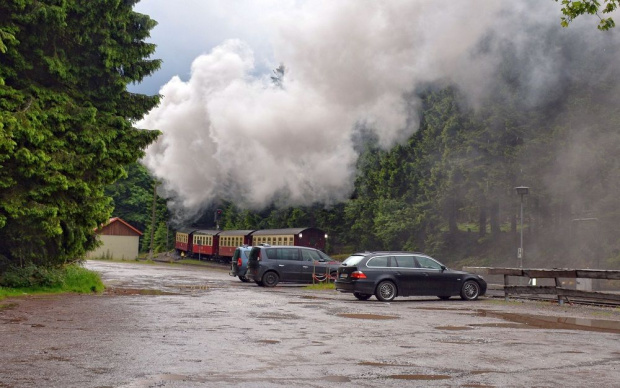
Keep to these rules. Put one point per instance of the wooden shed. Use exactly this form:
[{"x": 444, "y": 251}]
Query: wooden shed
[{"x": 119, "y": 241}]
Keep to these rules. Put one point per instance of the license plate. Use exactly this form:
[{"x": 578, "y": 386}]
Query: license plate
[{"x": 344, "y": 276}]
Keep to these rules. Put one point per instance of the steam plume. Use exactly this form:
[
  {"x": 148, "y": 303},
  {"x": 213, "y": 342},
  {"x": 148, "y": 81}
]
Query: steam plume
[{"x": 231, "y": 134}]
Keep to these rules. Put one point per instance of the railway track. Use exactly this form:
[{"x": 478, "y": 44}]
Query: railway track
[{"x": 499, "y": 294}]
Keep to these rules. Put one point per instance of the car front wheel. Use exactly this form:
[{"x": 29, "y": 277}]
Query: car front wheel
[
  {"x": 361, "y": 296},
  {"x": 270, "y": 279},
  {"x": 386, "y": 291},
  {"x": 470, "y": 290}
]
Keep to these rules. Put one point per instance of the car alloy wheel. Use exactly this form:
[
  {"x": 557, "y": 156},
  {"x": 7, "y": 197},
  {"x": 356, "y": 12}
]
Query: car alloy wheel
[
  {"x": 470, "y": 290},
  {"x": 270, "y": 279},
  {"x": 386, "y": 291}
]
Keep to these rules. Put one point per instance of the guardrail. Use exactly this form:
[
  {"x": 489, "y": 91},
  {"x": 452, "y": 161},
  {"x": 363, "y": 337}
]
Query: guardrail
[{"x": 562, "y": 293}]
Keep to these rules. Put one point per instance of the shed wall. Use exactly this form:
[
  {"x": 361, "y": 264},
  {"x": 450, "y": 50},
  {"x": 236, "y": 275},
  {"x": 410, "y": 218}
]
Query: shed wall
[{"x": 116, "y": 247}]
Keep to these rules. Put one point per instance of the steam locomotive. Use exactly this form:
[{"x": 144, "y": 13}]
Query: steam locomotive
[{"x": 220, "y": 245}]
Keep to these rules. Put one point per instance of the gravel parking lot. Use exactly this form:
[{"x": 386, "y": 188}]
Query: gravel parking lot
[{"x": 179, "y": 326}]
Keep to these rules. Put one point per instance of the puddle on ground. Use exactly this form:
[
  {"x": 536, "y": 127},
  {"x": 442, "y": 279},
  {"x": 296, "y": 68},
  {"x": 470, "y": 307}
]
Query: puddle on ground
[
  {"x": 269, "y": 342},
  {"x": 277, "y": 316},
  {"x": 419, "y": 377},
  {"x": 192, "y": 286},
  {"x": 337, "y": 379},
  {"x": 561, "y": 323},
  {"x": 453, "y": 328},
  {"x": 372, "y": 363},
  {"x": 136, "y": 291},
  {"x": 160, "y": 380},
  {"x": 502, "y": 325},
  {"x": 367, "y": 316}
]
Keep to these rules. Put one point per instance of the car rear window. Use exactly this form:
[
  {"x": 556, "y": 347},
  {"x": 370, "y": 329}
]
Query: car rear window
[
  {"x": 379, "y": 261},
  {"x": 352, "y": 260},
  {"x": 254, "y": 254}
]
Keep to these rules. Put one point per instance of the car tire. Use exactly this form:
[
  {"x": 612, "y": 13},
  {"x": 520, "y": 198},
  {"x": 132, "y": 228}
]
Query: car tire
[
  {"x": 386, "y": 291},
  {"x": 361, "y": 296},
  {"x": 443, "y": 297},
  {"x": 259, "y": 283},
  {"x": 470, "y": 290},
  {"x": 244, "y": 279},
  {"x": 270, "y": 279}
]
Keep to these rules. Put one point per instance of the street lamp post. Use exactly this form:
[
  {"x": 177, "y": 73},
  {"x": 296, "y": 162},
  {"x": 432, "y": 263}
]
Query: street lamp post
[{"x": 522, "y": 191}]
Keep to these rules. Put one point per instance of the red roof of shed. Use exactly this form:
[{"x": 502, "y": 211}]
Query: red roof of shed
[{"x": 118, "y": 227}]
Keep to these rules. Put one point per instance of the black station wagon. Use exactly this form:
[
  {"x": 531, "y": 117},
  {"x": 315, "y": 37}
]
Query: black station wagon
[
  {"x": 390, "y": 274},
  {"x": 269, "y": 265}
]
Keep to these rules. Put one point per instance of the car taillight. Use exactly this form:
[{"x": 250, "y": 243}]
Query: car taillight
[
  {"x": 358, "y": 275},
  {"x": 258, "y": 256},
  {"x": 239, "y": 262}
]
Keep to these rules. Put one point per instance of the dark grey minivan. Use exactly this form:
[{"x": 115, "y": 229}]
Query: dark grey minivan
[{"x": 269, "y": 265}]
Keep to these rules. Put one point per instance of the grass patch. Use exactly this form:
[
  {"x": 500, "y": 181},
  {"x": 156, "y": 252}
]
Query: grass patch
[
  {"x": 37, "y": 280},
  {"x": 321, "y": 286}
]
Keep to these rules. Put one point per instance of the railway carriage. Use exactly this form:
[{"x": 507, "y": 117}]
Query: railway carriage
[
  {"x": 205, "y": 243},
  {"x": 183, "y": 241},
  {"x": 304, "y": 237},
  {"x": 231, "y": 239}
]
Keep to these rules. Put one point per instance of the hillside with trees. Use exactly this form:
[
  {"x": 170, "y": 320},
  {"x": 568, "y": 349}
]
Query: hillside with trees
[{"x": 450, "y": 189}]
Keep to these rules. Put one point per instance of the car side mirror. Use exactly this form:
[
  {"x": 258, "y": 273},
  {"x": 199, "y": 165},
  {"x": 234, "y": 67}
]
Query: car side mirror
[{"x": 443, "y": 268}]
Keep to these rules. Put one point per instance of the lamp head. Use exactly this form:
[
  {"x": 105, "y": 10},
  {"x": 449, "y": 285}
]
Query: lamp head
[{"x": 522, "y": 190}]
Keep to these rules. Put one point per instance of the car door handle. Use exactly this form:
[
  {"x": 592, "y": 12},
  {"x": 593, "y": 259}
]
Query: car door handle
[
  {"x": 280, "y": 265},
  {"x": 305, "y": 266}
]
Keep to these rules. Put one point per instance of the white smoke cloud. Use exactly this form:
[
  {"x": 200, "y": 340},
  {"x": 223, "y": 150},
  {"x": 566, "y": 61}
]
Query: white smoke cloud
[{"x": 231, "y": 134}]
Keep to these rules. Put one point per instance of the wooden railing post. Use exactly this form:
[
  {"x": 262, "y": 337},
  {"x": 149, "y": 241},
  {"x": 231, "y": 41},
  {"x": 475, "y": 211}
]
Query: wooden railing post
[{"x": 560, "y": 297}]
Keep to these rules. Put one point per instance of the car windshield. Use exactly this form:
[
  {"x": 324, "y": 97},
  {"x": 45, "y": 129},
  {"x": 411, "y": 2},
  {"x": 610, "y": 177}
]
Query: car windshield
[{"x": 352, "y": 260}]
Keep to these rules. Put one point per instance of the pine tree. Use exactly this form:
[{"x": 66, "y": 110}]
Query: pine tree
[{"x": 66, "y": 120}]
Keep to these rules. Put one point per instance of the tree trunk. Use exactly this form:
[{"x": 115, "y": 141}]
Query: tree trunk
[
  {"x": 495, "y": 227},
  {"x": 482, "y": 221}
]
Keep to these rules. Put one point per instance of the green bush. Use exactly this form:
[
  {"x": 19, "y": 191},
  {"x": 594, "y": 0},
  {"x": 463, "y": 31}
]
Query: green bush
[
  {"x": 32, "y": 276},
  {"x": 70, "y": 278}
]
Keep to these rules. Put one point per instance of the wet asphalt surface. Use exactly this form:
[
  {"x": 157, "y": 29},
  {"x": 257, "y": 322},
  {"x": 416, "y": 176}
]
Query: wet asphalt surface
[{"x": 181, "y": 326}]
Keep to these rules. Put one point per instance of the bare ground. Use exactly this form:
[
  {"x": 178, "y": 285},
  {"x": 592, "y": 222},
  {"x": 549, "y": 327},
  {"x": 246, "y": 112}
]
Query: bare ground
[{"x": 178, "y": 326}]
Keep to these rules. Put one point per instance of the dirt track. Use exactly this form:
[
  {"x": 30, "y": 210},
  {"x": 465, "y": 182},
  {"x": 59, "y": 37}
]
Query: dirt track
[{"x": 173, "y": 326}]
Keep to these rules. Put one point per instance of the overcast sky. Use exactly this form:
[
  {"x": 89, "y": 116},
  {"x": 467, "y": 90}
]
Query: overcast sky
[{"x": 189, "y": 28}]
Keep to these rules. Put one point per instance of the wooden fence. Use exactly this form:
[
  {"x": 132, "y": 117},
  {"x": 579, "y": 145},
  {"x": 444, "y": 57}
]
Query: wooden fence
[{"x": 563, "y": 293}]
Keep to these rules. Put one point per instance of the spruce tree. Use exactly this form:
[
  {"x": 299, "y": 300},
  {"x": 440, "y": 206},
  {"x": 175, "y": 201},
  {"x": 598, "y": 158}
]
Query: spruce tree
[{"x": 66, "y": 120}]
